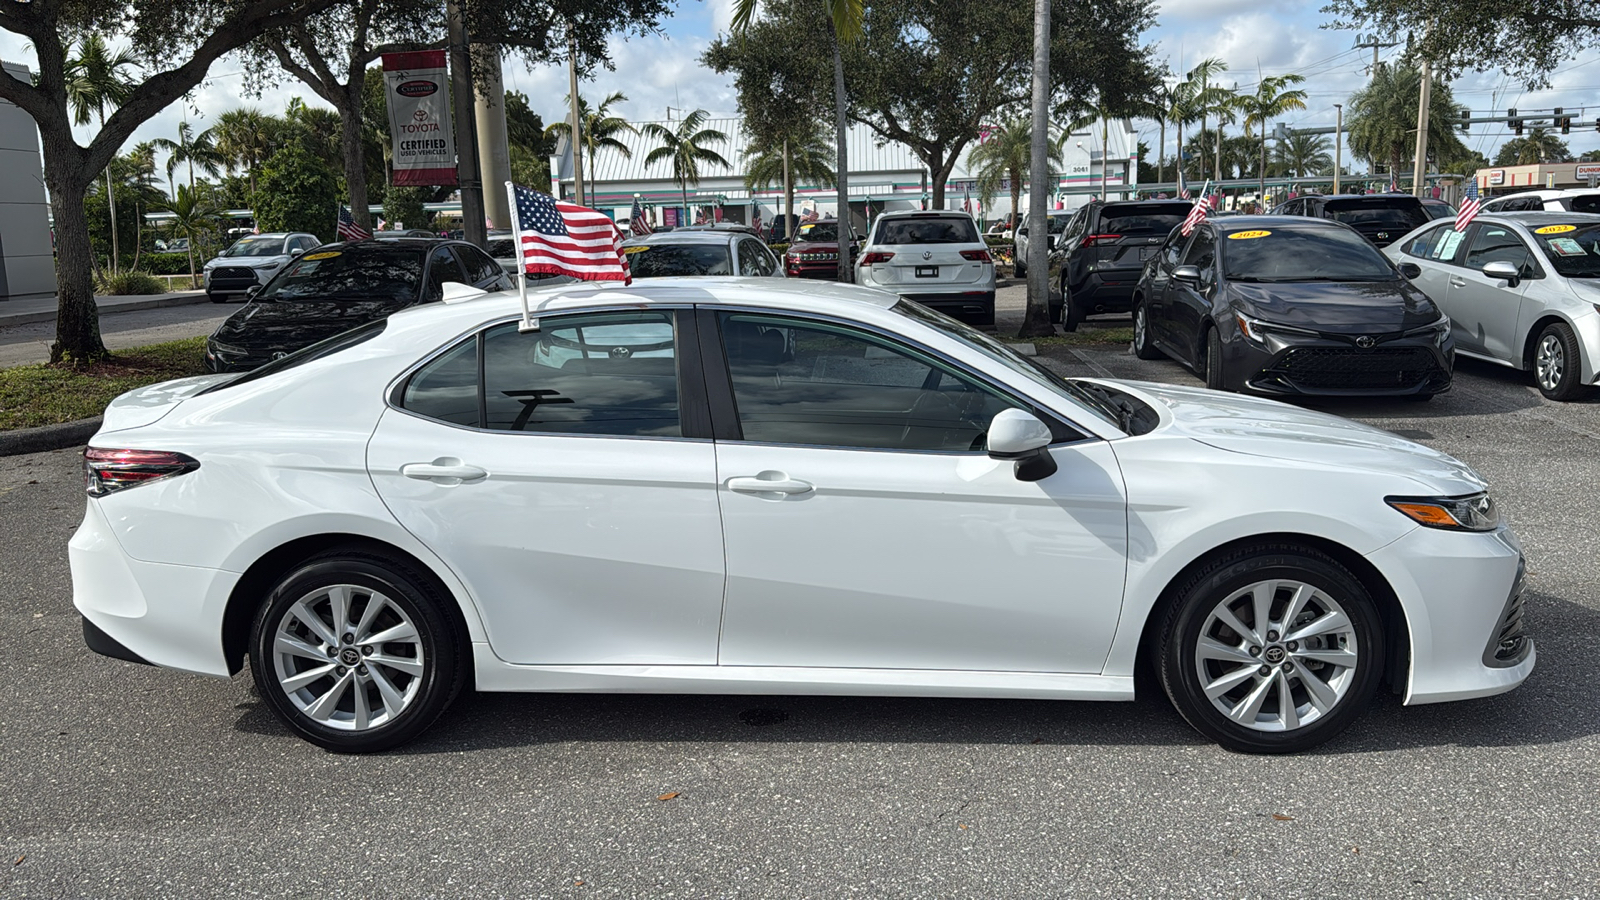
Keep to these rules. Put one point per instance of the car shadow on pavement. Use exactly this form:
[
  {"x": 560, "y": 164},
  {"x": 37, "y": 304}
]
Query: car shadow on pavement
[{"x": 1553, "y": 706}]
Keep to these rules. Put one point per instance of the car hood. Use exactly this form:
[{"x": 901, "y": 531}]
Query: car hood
[
  {"x": 1268, "y": 428},
  {"x": 1337, "y": 306},
  {"x": 248, "y": 262},
  {"x": 288, "y": 325}
]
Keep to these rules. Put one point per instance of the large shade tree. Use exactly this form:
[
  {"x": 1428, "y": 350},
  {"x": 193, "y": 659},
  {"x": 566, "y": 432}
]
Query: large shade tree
[{"x": 175, "y": 43}]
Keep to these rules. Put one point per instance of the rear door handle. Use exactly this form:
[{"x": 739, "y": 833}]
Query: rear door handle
[
  {"x": 769, "y": 483},
  {"x": 443, "y": 471}
]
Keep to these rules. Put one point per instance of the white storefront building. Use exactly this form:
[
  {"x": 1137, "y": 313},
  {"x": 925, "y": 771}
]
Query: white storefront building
[{"x": 884, "y": 176}]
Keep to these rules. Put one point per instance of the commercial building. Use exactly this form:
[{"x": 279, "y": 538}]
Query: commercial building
[
  {"x": 1501, "y": 180},
  {"x": 27, "y": 258}
]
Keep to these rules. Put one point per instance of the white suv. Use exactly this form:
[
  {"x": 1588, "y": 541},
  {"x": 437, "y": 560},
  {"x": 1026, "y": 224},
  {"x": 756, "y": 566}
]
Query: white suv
[
  {"x": 252, "y": 261},
  {"x": 935, "y": 257}
]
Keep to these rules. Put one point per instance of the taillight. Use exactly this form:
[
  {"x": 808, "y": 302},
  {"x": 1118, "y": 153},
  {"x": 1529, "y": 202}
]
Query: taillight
[
  {"x": 875, "y": 257},
  {"x": 1093, "y": 239},
  {"x": 108, "y": 471},
  {"x": 976, "y": 255}
]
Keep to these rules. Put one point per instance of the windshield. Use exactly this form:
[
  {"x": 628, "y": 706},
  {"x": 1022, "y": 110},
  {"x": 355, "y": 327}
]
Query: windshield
[
  {"x": 256, "y": 246},
  {"x": 1302, "y": 254},
  {"x": 933, "y": 229},
  {"x": 819, "y": 232},
  {"x": 1573, "y": 249},
  {"x": 662, "y": 260},
  {"x": 1143, "y": 218},
  {"x": 1386, "y": 213},
  {"x": 1022, "y": 365},
  {"x": 367, "y": 271},
  {"x": 325, "y": 347}
]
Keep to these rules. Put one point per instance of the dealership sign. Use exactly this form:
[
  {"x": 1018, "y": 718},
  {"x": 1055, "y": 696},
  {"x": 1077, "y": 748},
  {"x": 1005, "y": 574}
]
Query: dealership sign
[{"x": 419, "y": 118}]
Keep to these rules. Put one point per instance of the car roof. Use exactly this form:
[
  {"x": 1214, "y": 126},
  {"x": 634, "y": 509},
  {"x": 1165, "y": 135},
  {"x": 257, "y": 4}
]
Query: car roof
[
  {"x": 921, "y": 213},
  {"x": 1533, "y": 218},
  {"x": 1386, "y": 195},
  {"x": 680, "y": 236},
  {"x": 393, "y": 243},
  {"x": 1541, "y": 193}
]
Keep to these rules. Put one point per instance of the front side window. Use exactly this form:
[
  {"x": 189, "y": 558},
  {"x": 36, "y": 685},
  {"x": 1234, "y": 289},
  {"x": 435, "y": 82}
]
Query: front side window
[
  {"x": 1498, "y": 243},
  {"x": 814, "y": 383},
  {"x": 1202, "y": 251}
]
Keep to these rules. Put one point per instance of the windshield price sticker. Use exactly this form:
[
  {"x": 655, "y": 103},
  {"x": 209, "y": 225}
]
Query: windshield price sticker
[
  {"x": 1555, "y": 229},
  {"x": 627, "y": 250},
  {"x": 1247, "y": 235},
  {"x": 326, "y": 254},
  {"x": 1567, "y": 247}
]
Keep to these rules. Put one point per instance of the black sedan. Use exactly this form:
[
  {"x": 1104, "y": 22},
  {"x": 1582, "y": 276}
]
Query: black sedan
[
  {"x": 339, "y": 286},
  {"x": 1290, "y": 305}
]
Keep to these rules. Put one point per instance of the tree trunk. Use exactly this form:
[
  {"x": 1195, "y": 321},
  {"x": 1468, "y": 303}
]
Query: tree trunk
[
  {"x": 843, "y": 163},
  {"x": 1016, "y": 210},
  {"x": 941, "y": 173},
  {"x": 1161, "y": 154},
  {"x": 788, "y": 194},
  {"x": 1177, "y": 163},
  {"x": 355, "y": 165},
  {"x": 1036, "y": 320},
  {"x": 77, "y": 318},
  {"x": 1261, "y": 191}
]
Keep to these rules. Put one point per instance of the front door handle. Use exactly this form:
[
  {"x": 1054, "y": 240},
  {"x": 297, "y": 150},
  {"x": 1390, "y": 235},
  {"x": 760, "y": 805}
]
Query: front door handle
[
  {"x": 769, "y": 483},
  {"x": 1457, "y": 282},
  {"x": 445, "y": 470}
]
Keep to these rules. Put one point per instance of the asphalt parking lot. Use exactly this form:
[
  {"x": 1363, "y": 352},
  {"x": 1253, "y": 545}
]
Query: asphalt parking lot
[{"x": 125, "y": 781}]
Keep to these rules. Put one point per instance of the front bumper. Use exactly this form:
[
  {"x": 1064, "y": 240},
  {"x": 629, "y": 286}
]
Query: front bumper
[
  {"x": 160, "y": 614},
  {"x": 1315, "y": 366},
  {"x": 1462, "y": 598},
  {"x": 233, "y": 279}
]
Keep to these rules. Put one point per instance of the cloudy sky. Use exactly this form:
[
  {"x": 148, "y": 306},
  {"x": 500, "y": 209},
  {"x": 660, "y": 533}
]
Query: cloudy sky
[{"x": 1272, "y": 36}]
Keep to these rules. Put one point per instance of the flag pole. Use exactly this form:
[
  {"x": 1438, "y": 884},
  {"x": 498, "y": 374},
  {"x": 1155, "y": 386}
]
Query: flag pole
[{"x": 528, "y": 323}]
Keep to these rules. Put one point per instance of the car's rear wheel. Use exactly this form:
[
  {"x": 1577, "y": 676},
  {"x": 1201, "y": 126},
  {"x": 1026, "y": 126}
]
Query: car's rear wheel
[
  {"x": 1556, "y": 363},
  {"x": 354, "y": 653},
  {"x": 1271, "y": 649},
  {"x": 1019, "y": 267},
  {"x": 1213, "y": 367},
  {"x": 1143, "y": 347}
]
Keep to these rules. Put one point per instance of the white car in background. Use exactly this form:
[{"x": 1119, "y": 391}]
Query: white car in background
[
  {"x": 935, "y": 257},
  {"x": 1521, "y": 289},
  {"x": 251, "y": 261},
  {"x": 1550, "y": 200},
  {"x": 774, "y": 486}
]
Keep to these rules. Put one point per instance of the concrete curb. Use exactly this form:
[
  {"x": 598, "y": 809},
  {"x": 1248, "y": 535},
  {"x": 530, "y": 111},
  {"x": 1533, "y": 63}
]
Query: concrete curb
[
  {"x": 48, "y": 437},
  {"x": 155, "y": 302}
]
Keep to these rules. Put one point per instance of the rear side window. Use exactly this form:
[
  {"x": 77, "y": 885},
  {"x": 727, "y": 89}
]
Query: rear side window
[
  {"x": 1142, "y": 218},
  {"x": 479, "y": 266},
  {"x": 447, "y": 388},
  {"x": 1589, "y": 203},
  {"x": 929, "y": 230},
  {"x": 1423, "y": 243}
]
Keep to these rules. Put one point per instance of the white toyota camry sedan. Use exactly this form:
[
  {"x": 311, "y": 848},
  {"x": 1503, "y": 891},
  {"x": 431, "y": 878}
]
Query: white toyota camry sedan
[{"x": 752, "y": 486}]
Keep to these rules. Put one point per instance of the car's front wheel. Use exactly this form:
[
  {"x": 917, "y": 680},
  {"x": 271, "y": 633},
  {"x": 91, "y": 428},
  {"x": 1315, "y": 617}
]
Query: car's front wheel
[
  {"x": 1555, "y": 363},
  {"x": 354, "y": 652},
  {"x": 1215, "y": 376},
  {"x": 216, "y": 298},
  {"x": 1271, "y": 649}
]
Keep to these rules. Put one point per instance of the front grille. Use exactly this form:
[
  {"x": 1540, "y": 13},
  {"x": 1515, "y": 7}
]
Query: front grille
[
  {"x": 234, "y": 272},
  {"x": 1509, "y": 644},
  {"x": 1354, "y": 369}
]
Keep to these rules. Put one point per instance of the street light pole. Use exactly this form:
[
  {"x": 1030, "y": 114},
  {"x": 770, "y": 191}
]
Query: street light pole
[
  {"x": 1338, "y": 144},
  {"x": 577, "y": 123},
  {"x": 1419, "y": 166}
]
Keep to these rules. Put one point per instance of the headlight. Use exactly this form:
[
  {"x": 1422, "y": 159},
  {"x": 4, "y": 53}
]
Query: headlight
[
  {"x": 1256, "y": 330},
  {"x": 1440, "y": 329},
  {"x": 1475, "y": 512}
]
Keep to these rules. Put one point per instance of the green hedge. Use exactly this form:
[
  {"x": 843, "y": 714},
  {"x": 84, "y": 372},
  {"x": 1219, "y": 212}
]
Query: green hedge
[
  {"x": 168, "y": 263},
  {"x": 129, "y": 283},
  {"x": 779, "y": 248},
  {"x": 995, "y": 240}
]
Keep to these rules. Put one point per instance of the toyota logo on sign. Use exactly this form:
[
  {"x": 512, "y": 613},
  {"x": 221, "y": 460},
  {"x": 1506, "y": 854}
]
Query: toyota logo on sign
[{"x": 418, "y": 88}]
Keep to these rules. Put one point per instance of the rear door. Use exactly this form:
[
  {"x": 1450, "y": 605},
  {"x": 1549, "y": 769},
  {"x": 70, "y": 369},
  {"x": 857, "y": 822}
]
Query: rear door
[
  {"x": 1157, "y": 305},
  {"x": 1128, "y": 234},
  {"x": 1434, "y": 252},
  {"x": 927, "y": 251}
]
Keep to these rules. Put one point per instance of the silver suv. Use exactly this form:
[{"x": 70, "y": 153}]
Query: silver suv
[
  {"x": 252, "y": 261},
  {"x": 935, "y": 257}
]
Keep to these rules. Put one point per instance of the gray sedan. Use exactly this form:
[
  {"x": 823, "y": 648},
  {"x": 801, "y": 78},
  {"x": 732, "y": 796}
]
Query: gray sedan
[{"x": 1521, "y": 289}]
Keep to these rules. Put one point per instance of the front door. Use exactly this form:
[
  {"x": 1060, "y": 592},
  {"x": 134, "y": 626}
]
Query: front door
[
  {"x": 564, "y": 489},
  {"x": 866, "y": 527},
  {"x": 1483, "y": 309}
]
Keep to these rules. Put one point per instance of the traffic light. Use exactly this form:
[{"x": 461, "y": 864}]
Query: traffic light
[
  {"x": 1514, "y": 122},
  {"x": 1597, "y": 124},
  {"x": 1559, "y": 121},
  {"x": 1466, "y": 120}
]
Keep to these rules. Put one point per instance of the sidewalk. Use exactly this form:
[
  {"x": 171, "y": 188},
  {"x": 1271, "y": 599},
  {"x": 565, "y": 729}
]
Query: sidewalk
[{"x": 28, "y": 312}]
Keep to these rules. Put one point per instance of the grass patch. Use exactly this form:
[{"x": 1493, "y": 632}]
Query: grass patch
[
  {"x": 1086, "y": 335},
  {"x": 36, "y": 395}
]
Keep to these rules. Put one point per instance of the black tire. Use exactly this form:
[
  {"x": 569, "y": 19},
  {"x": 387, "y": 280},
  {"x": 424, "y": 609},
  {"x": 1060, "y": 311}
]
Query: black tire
[
  {"x": 1215, "y": 379},
  {"x": 1557, "y": 347},
  {"x": 1071, "y": 316},
  {"x": 1019, "y": 269},
  {"x": 216, "y": 298},
  {"x": 1419, "y": 398},
  {"x": 1335, "y": 590},
  {"x": 425, "y": 694},
  {"x": 1143, "y": 347}
]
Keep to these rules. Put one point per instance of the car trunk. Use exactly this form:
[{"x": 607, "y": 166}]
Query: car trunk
[
  {"x": 1127, "y": 235},
  {"x": 1381, "y": 220},
  {"x": 930, "y": 264}
]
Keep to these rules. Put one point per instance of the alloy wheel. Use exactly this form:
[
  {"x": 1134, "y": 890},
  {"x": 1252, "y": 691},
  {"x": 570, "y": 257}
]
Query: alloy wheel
[
  {"x": 348, "y": 657},
  {"x": 1277, "y": 655},
  {"x": 1550, "y": 363}
]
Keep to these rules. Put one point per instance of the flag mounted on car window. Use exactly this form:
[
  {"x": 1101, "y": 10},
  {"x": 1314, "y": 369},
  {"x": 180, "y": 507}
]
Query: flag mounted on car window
[
  {"x": 1470, "y": 204},
  {"x": 566, "y": 239},
  {"x": 1197, "y": 213},
  {"x": 639, "y": 225}
]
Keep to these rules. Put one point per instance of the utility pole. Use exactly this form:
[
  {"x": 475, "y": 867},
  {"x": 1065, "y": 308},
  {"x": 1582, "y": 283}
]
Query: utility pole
[
  {"x": 1105, "y": 156},
  {"x": 1371, "y": 40},
  {"x": 461, "y": 96},
  {"x": 1338, "y": 144},
  {"x": 577, "y": 124},
  {"x": 1420, "y": 165}
]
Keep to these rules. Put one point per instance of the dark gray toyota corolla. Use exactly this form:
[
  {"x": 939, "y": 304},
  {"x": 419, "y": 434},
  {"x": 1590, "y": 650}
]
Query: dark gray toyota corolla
[{"x": 1290, "y": 305}]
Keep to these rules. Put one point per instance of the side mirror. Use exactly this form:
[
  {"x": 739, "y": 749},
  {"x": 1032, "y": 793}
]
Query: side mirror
[
  {"x": 1411, "y": 270},
  {"x": 1187, "y": 275},
  {"x": 251, "y": 294},
  {"x": 1020, "y": 436},
  {"x": 1503, "y": 271},
  {"x": 296, "y": 252}
]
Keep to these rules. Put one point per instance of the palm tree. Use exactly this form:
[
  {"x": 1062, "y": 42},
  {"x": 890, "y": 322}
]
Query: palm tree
[
  {"x": 246, "y": 137},
  {"x": 1191, "y": 98},
  {"x": 1381, "y": 119},
  {"x": 1226, "y": 106},
  {"x": 685, "y": 149},
  {"x": 1304, "y": 154},
  {"x": 194, "y": 149},
  {"x": 599, "y": 132},
  {"x": 1007, "y": 153},
  {"x": 845, "y": 19},
  {"x": 1271, "y": 100},
  {"x": 193, "y": 215},
  {"x": 94, "y": 81},
  {"x": 803, "y": 156}
]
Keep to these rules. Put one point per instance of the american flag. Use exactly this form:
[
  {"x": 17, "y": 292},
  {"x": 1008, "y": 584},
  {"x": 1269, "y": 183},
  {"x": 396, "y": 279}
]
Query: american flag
[
  {"x": 567, "y": 239},
  {"x": 966, "y": 197},
  {"x": 348, "y": 229},
  {"x": 1197, "y": 213},
  {"x": 1183, "y": 187},
  {"x": 1394, "y": 186},
  {"x": 810, "y": 216},
  {"x": 755, "y": 221},
  {"x": 1470, "y": 204},
  {"x": 639, "y": 225},
  {"x": 700, "y": 216}
]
